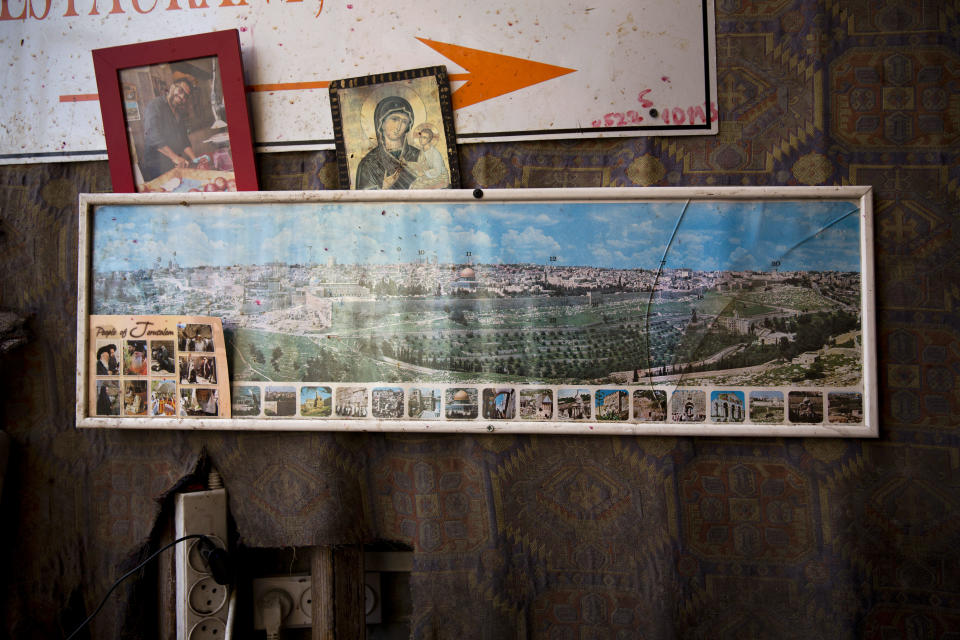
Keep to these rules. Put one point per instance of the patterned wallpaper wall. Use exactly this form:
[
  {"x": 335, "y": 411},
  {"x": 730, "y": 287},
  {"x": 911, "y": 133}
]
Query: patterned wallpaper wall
[{"x": 573, "y": 537}]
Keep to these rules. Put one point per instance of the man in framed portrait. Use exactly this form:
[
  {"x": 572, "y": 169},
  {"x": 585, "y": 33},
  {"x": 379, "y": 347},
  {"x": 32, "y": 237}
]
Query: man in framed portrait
[
  {"x": 107, "y": 363},
  {"x": 165, "y": 134},
  {"x": 386, "y": 165}
]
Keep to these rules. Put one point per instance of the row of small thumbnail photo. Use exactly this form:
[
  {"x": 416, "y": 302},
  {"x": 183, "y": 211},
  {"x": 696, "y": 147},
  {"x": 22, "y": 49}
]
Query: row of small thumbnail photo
[
  {"x": 156, "y": 397},
  {"x": 800, "y": 406},
  {"x": 135, "y": 358}
]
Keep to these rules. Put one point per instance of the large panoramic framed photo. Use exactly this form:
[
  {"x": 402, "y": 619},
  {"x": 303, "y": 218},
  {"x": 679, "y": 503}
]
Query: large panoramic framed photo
[{"x": 724, "y": 311}]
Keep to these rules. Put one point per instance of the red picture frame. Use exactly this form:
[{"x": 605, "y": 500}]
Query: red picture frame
[{"x": 126, "y": 73}]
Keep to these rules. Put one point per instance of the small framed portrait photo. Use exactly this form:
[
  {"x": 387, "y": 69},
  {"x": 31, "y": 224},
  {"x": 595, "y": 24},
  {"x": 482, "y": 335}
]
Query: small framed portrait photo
[
  {"x": 395, "y": 131},
  {"x": 175, "y": 115}
]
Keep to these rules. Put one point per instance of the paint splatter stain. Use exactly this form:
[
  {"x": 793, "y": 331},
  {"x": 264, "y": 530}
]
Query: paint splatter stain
[{"x": 665, "y": 78}]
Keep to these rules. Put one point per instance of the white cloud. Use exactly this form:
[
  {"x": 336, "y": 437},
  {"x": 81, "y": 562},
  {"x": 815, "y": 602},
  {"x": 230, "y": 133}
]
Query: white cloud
[
  {"x": 441, "y": 217},
  {"x": 531, "y": 242},
  {"x": 740, "y": 258},
  {"x": 604, "y": 256}
]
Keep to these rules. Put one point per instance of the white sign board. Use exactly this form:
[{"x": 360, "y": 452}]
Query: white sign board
[{"x": 519, "y": 71}]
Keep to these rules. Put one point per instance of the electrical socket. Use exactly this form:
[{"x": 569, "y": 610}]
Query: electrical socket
[
  {"x": 297, "y": 587},
  {"x": 206, "y": 597},
  {"x": 208, "y": 629},
  {"x": 372, "y": 597},
  {"x": 201, "y": 602}
]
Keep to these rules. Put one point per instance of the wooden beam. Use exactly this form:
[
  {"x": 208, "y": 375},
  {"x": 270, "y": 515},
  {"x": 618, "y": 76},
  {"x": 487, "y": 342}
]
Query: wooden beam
[
  {"x": 322, "y": 589},
  {"x": 349, "y": 593}
]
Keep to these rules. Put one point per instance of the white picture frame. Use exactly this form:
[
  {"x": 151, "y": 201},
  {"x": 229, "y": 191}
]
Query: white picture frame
[{"x": 373, "y": 307}]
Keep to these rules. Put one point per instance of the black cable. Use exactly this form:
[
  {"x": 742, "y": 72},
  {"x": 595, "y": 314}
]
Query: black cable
[{"x": 130, "y": 573}]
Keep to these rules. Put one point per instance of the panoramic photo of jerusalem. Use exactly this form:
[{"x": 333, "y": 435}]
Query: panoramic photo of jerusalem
[{"x": 580, "y": 293}]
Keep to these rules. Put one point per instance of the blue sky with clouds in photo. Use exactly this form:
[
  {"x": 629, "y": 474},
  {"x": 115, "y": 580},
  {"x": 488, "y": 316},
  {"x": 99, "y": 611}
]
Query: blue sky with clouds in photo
[{"x": 805, "y": 235}]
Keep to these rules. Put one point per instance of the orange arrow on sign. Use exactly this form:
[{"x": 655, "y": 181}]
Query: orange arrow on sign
[
  {"x": 488, "y": 75},
  {"x": 492, "y": 74}
]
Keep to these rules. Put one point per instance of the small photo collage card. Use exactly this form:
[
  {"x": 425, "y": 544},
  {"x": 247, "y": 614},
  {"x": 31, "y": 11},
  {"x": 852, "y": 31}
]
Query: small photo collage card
[{"x": 157, "y": 366}]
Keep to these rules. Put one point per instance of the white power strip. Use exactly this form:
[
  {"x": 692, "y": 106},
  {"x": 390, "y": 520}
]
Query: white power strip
[{"x": 201, "y": 602}]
